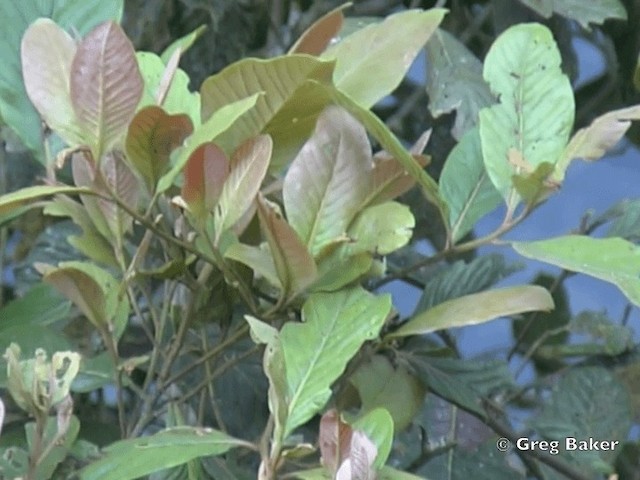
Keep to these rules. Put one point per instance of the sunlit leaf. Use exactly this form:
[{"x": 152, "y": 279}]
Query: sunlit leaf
[
  {"x": 178, "y": 99},
  {"x": 593, "y": 142},
  {"x": 152, "y": 136},
  {"x": 106, "y": 86},
  {"x": 383, "y": 385},
  {"x": 329, "y": 179},
  {"x": 317, "y": 37},
  {"x": 371, "y": 62},
  {"x": 535, "y": 186},
  {"x": 248, "y": 166},
  {"x": 47, "y": 53},
  {"x": 338, "y": 268},
  {"x": 536, "y": 108},
  {"x": 294, "y": 264},
  {"x": 610, "y": 259},
  {"x": 79, "y": 16},
  {"x": 220, "y": 121},
  {"x": 135, "y": 457},
  {"x": 381, "y": 229},
  {"x": 477, "y": 308},
  {"x": 336, "y": 324},
  {"x": 454, "y": 82},
  {"x": 465, "y": 185},
  {"x": 585, "y": 13},
  {"x": 378, "y": 425},
  {"x": 276, "y": 80}
]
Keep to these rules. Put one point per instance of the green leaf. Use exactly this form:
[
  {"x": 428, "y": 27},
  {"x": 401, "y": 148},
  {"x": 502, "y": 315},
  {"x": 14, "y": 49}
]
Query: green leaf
[
  {"x": 133, "y": 458},
  {"x": 276, "y": 79},
  {"x": 293, "y": 262},
  {"x": 613, "y": 260},
  {"x": 248, "y": 166},
  {"x": 77, "y": 15},
  {"x": 371, "y": 62},
  {"x": 336, "y": 324},
  {"x": 152, "y": 135},
  {"x": 339, "y": 269},
  {"x": 94, "y": 373},
  {"x": 178, "y": 99},
  {"x": 222, "y": 120},
  {"x": 41, "y": 305},
  {"x": 328, "y": 181},
  {"x": 183, "y": 43},
  {"x": 466, "y": 187},
  {"x": 14, "y": 200},
  {"x": 593, "y": 142},
  {"x": 380, "y": 384},
  {"x": 626, "y": 220},
  {"x": 62, "y": 444},
  {"x": 615, "y": 338},
  {"x": 454, "y": 82},
  {"x": 536, "y": 109},
  {"x": 477, "y": 308},
  {"x": 260, "y": 260},
  {"x": 584, "y": 13},
  {"x": 581, "y": 406},
  {"x": 47, "y": 53},
  {"x": 378, "y": 426},
  {"x": 380, "y": 229},
  {"x": 105, "y": 86},
  {"x": 462, "y": 382}
]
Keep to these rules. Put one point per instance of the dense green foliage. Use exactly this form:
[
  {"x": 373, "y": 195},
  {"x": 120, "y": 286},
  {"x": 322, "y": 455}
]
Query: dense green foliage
[{"x": 216, "y": 310}]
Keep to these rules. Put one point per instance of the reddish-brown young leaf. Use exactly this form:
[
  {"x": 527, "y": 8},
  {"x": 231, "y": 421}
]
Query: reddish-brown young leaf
[
  {"x": 294, "y": 264},
  {"x": 359, "y": 464},
  {"x": 123, "y": 183},
  {"x": 47, "y": 52},
  {"x": 153, "y": 134},
  {"x": 106, "y": 86},
  {"x": 334, "y": 439},
  {"x": 204, "y": 175},
  {"x": 317, "y": 37}
]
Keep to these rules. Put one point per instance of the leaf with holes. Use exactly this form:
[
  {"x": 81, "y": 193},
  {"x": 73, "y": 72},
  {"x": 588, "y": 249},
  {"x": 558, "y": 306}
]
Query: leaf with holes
[
  {"x": 248, "y": 167},
  {"x": 536, "y": 108},
  {"x": 106, "y": 86},
  {"x": 152, "y": 136}
]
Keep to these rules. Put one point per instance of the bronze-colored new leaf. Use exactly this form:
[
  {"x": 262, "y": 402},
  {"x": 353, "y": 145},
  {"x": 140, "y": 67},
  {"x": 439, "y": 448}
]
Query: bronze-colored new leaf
[
  {"x": 294, "y": 264},
  {"x": 334, "y": 439},
  {"x": 248, "y": 167},
  {"x": 153, "y": 134},
  {"x": 47, "y": 52},
  {"x": 204, "y": 175},
  {"x": 317, "y": 37},
  {"x": 106, "y": 86},
  {"x": 120, "y": 180}
]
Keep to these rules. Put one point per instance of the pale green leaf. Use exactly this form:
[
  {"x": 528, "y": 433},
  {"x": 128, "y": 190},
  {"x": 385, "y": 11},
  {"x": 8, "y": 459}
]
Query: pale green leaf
[
  {"x": 380, "y": 229},
  {"x": 371, "y": 62},
  {"x": 378, "y": 425},
  {"x": 610, "y": 259},
  {"x": 179, "y": 99},
  {"x": 336, "y": 324},
  {"x": 221, "y": 120},
  {"x": 535, "y": 112},
  {"x": 477, "y": 308},
  {"x": 73, "y": 15},
  {"x": 133, "y": 458},
  {"x": 466, "y": 187},
  {"x": 258, "y": 259},
  {"x": 293, "y": 262},
  {"x": 248, "y": 166},
  {"x": 454, "y": 82},
  {"x": 17, "y": 199},
  {"x": 593, "y": 142},
  {"x": 105, "y": 86},
  {"x": 338, "y": 269},
  {"x": 183, "y": 43},
  {"x": 47, "y": 53},
  {"x": 585, "y": 13},
  {"x": 328, "y": 181},
  {"x": 277, "y": 79},
  {"x": 383, "y": 385}
]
